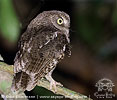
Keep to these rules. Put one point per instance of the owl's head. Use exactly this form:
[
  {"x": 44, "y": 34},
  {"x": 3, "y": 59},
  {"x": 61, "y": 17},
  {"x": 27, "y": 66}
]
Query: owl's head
[
  {"x": 52, "y": 20},
  {"x": 58, "y": 18}
]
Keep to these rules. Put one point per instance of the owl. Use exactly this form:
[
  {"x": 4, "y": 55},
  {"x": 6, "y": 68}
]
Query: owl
[{"x": 41, "y": 47}]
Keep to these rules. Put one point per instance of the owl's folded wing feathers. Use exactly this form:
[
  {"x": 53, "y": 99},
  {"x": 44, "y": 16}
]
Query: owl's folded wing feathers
[{"x": 33, "y": 62}]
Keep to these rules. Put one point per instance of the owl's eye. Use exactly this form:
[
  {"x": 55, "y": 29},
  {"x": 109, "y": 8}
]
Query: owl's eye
[{"x": 60, "y": 21}]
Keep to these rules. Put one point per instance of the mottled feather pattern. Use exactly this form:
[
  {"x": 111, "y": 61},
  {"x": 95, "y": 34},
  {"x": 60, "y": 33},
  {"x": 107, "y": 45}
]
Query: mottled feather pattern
[{"x": 41, "y": 47}]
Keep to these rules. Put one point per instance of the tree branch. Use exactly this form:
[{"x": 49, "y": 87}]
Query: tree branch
[{"x": 5, "y": 84}]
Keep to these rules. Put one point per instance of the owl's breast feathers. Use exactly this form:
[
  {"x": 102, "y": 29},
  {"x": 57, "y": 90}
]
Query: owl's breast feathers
[{"x": 37, "y": 56}]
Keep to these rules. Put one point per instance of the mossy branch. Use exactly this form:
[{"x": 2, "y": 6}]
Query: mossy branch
[{"x": 5, "y": 84}]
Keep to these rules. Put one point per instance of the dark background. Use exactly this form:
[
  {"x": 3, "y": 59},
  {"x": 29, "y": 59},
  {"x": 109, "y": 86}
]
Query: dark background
[{"x": 93, "y": 35}]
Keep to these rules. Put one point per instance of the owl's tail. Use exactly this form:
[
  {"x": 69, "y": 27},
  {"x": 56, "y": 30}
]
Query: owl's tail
[{"x": 24, "y": 81}]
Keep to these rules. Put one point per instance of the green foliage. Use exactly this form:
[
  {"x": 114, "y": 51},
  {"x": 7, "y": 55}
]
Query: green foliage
[
  {"x": 9, "y": 24},
  {"x": 89, "y": 25},
  {"x": 114, "y": 16}
]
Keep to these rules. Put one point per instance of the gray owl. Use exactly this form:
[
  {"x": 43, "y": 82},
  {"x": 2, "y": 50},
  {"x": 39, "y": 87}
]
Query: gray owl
[{"x": 41, "y": 47}]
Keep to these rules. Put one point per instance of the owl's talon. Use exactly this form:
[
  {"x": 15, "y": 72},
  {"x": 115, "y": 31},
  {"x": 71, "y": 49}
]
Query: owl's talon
[{"x": 53, "y": 83}]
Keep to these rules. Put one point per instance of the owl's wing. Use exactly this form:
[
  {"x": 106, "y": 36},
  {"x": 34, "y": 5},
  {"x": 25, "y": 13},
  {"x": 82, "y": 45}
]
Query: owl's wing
[
  {"x": 36, "y": 58},
  {"x": 48, "y": 56},
  {"x": 28, "y": 48},
  {"x": 45, "y": 60}
]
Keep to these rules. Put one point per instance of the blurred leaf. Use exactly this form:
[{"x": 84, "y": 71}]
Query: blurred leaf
[
  {"x": 89, "y": 24},
  {"x": 90, "y": 33},
  {"x": 114, "y": 16},
  {"x": 1, "y": 58},
  {"x": 9, "y": 24}
]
